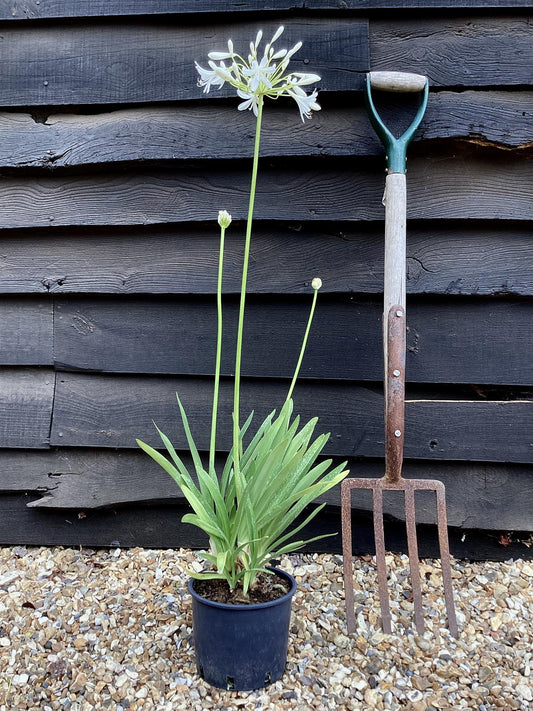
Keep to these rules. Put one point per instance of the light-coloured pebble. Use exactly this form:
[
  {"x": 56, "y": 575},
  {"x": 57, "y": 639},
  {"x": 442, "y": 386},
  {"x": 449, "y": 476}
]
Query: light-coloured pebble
[{"x": 83, "y": 629}]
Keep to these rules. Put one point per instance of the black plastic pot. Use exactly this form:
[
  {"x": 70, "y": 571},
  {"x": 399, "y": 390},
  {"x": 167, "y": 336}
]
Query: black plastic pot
[{"x": 241, "y": 647}]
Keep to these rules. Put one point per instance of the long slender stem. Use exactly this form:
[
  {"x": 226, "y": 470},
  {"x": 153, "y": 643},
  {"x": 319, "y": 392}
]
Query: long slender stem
[
  {"x": 304, "y": 344},
  {"x": 240, "y": 327},
  {"x": 218, "y": 354}
]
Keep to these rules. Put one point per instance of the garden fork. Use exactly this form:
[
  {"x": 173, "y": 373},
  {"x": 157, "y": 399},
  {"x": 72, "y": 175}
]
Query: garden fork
[{"x": 394, "y": 347}]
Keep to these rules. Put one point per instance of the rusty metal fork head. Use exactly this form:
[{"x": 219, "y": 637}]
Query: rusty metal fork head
[
  {"x": 408, "y": 486},
  {"x": 395, "y": 339}
]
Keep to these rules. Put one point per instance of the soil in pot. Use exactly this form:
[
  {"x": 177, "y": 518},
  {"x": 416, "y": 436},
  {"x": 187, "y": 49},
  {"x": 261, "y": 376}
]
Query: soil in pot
[{"x": 267, "y": 588}]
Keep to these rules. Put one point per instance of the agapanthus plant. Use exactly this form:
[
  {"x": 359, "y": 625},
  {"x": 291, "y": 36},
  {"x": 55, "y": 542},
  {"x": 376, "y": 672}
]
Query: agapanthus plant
[{"x": 248, "y": 509}]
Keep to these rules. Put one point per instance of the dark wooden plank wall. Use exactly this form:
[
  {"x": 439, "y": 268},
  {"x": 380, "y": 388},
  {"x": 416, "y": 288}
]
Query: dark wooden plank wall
[
  {"x": 113, "y": 171},
  {"x": 34, "y": 9}
]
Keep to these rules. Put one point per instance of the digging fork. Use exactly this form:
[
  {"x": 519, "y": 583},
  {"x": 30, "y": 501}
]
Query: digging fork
[{"x": 394, "y": 347}]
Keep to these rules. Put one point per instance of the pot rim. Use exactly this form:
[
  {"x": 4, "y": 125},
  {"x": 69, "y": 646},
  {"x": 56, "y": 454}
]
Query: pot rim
[{"x": 253, "y": 606}]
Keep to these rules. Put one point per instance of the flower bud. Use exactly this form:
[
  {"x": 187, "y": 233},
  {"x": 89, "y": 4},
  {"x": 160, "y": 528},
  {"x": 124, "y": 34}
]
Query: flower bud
[
  {"x": 316, "y": 283},
  {"x": 219, "y": 55},
  {"x": 224, "y": 218}
]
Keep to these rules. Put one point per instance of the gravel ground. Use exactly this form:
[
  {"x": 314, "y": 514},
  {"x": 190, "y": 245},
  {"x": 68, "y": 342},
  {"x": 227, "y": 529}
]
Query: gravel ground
[{"x": 84, "y": 629}]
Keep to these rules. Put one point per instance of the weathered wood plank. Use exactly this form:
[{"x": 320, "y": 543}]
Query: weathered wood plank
[
  {"x": 440, "y": 187},
  {"x": 154, "y": 60},
  {"x": 107, "y": 411},
  {"x": 26, "y": 398},
  {"x": 31, "y": 470},
  {"x": 424, "y": 4},
  {"x": 36, "y": 9},
  {"x": 481, "y": 342},
  {"x": 490, "y": 496},
  {"x": 151, "y": 527},
  {"x": 161, "y": 527},
  {"x": 434, "y": 45},
  {"x": 443, "y": 259},
  {"x": 164, "y": 196},
  {"x": 495, "y": 118},
  {"x": 26, "y": 332},
  {"x": 185, "y": 132}
]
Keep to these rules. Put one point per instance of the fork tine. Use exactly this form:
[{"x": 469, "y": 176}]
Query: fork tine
[
  {"x": 442, "y": 524},
  {"x": 414, "y": 568},
  {"x": 379, "y": 537},
  {"x": 347, "y": 563}
]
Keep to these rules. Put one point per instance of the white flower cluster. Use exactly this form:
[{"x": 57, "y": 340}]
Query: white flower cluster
[{"x": 255, "y": 78}]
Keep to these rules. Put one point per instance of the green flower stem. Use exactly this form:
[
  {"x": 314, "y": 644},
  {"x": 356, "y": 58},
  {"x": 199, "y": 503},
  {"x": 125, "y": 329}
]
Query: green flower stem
[
  {"x": 304, "y": 344},
  {"x": 218, "y": 354},
  {"x": 238, "y": 355}
]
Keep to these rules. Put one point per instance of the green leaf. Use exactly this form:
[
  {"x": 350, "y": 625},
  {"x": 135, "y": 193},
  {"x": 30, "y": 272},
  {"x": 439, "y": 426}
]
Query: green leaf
[
  {"x": 291, "y": 547},
  {"x": 205, "y": 576},
  {"x": 162, "y": 461},
  {"x": 217, "y": 501},
  {"x": 227, "y": 474},
  {"x": 294, "y": 531},
  {"x": 203, "y": 523},
  {"x": 303, "y": 499},
  {"x": 175, "y": 458},
  {"x": 190, "y": 440},
  {"x": 222, "y": 559},
  {"x": 248, "y": 452}
]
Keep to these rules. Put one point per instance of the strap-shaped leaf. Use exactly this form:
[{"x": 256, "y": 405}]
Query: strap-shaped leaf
[
  {"x": 204, "y": 510},
  {"x": 175, "y": 458},
  {"x": 291, "y": 547},
  {"x": 293, "y": 480},
  {"x": 190, "y": 440},
  {"x": 205, "y": 524},
  {"x": 289, "y": 534},
  {"x": 250, "y": 449},
  {"x": 162, "y": 461},
  {"x": 217, "y": 502},
  {"x": 307, "y": 497},
  {"x": 205, "y": 576},
  {"x": 227, "y": 473}
]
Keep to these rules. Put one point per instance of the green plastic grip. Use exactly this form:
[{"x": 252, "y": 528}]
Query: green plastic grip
[{"x": 396, "y": 148}]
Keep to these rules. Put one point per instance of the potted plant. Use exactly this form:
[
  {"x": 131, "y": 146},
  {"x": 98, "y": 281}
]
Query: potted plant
[{"x": 250, "y": 510}]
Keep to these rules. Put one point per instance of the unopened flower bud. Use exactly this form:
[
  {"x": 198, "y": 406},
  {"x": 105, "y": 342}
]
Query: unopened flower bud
[
  {"x": 316, "y": 283},
  {"x": 224, "y": 219}
]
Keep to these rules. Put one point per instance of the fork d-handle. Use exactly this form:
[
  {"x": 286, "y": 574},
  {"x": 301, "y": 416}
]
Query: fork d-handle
[{"x": 400, "y": 82}]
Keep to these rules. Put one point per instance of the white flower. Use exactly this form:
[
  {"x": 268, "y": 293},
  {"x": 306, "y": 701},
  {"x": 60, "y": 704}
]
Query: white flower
[
  {"x": 259, "y": 73},
  {"x": 251, "y": 102},
  {"x": 316, "y": 283},
  {"x": 255, "y": 78},
  {"x": 209, "y": 78},
  {"x": 306, "y": 103}
]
